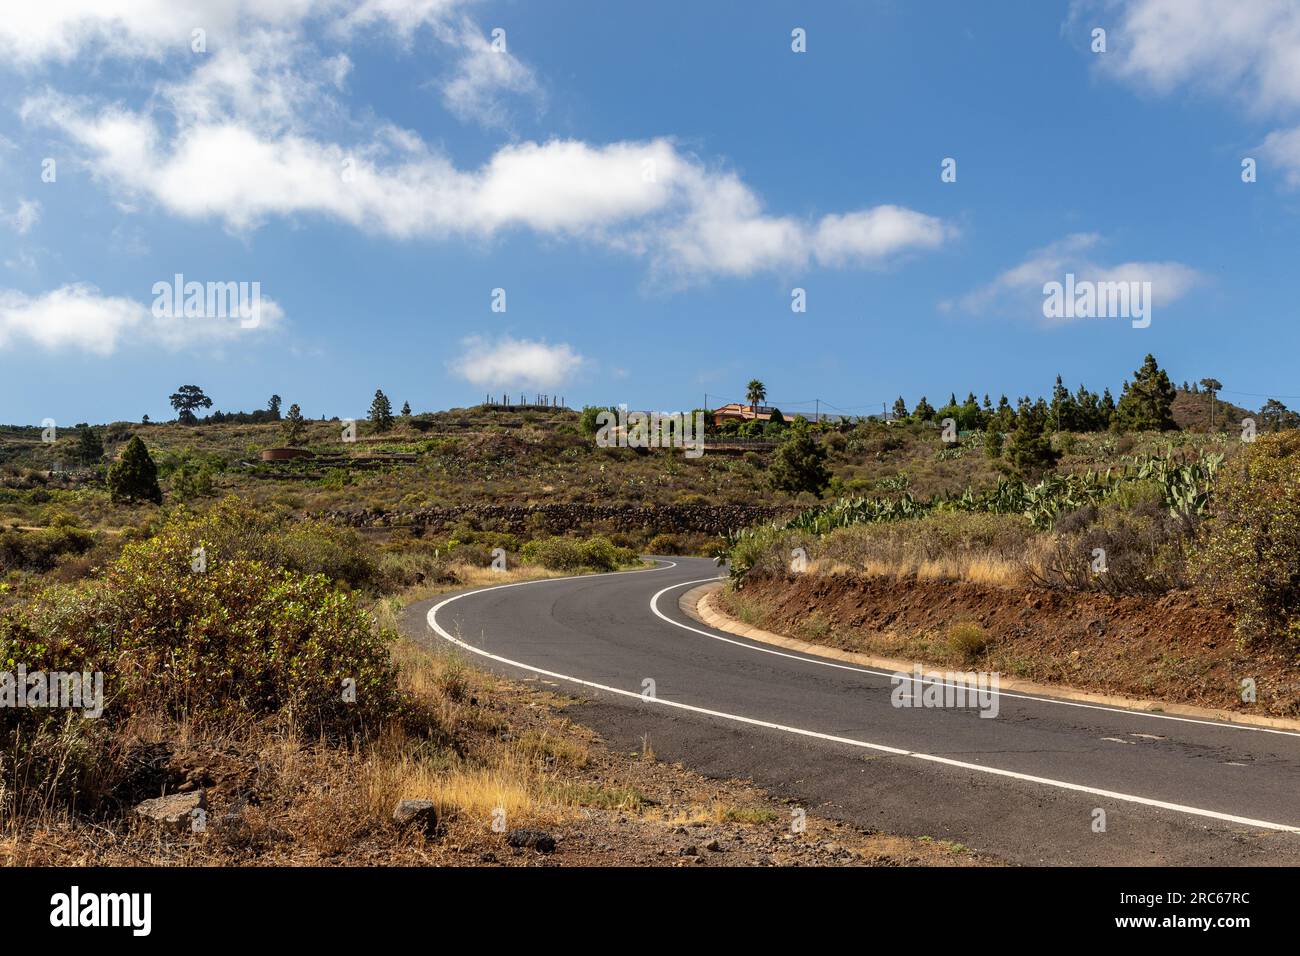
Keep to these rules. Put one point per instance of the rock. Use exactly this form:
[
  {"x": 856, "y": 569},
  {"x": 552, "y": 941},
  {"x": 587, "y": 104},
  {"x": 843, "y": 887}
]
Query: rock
[
  {"x": 175, "y": 811},
  {"x": 416, "y": 814},
  {"x": 688, "y": 851},
  {"x": 488, "y": 857},
  {"x": 526, "y": 839},
  {"x": 713, "y": 846}
]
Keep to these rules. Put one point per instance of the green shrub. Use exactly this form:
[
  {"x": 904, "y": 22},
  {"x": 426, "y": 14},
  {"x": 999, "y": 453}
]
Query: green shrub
[
  {"x": 233, "y": 529},
  {"x": 40, "y": 550},
  {"x": 573, "y": 555},
  {"x": 192, "y": 481},
  {"x": 1249, "y": 549},
  {"x": 968, "y": 640},
  {"x": 241, "y": 638},
  {"x": 664, "y": 544}
]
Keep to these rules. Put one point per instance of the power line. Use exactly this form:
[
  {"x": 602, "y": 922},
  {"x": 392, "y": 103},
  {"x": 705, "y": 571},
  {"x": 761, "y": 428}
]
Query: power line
[{"x": 1256, "y": 394}]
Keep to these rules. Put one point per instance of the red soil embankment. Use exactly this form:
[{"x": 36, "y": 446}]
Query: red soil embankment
[{"x": 1175, "y": 648}]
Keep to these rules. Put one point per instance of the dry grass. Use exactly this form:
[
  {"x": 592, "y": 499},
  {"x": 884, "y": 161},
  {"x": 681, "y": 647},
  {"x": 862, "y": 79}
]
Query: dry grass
[{"x": 989, "y": 569}]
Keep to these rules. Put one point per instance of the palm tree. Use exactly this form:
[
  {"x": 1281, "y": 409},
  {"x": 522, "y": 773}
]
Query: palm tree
[
  {"x": 1211, "y": 385},
  {"x": 755, "y": 394}
]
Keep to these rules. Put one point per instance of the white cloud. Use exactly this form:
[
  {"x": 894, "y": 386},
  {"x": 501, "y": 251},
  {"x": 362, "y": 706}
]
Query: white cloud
[
  {"x": 1248, "y": 50},
  {"x": 238, "y": 140},
  {"x": 875, "y": 234},
  {"x": 62, "y": 29},
  {"x": 79, "y": 317},
  {"x": 1019, "y": 290},
  {"x": 515, "y": 363},
  {"x": 1282, "y": 147},
  {"x": 644, "y": 197},
  {"x": 75, "y": 316},
  {"x": 404, "y": 16},
  {"x": 482, "y": 74},
  {"x": 22, "y": 219}
]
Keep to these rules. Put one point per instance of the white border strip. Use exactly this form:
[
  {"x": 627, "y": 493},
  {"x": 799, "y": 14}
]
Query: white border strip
[
  {"x": 432, "y": 619},
  {"x": 654, "y": 606}
]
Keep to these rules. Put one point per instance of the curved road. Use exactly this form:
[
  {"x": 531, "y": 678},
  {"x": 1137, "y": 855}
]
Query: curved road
[{"x": 1027, "y": 785}]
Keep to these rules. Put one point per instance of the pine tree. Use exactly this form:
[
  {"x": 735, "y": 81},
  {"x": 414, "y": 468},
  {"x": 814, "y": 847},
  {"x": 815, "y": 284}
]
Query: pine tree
[
  {"x": 381, "y": 412},
  {"x": 1065, "y": 416},
  {"x": 1004, "y": 419},
  {"x": 1105, "y": 410},
  {"x": 800, "y": 463},
  {"x": 924, "y": 411},
  {"x": 1030, "y": 451},
  {"x": 900, "y": 408},
  {"x": 293, "y": 426},
  {"x": 406, "y": 409},
  {"x": 1146, "y": 404},
  {"x": 273, "y": 406},
  {"x": 134, "y": 476},
  {"x": 90, "y": 450},
  {"x": 992, "y": 442}
]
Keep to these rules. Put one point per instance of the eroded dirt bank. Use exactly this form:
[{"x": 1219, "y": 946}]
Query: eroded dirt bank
[{"x": 1173, "y": 648}]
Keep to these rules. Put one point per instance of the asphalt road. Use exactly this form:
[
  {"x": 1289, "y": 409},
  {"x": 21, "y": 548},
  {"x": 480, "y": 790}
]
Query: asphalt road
[{"x": 1026, "y": 785}]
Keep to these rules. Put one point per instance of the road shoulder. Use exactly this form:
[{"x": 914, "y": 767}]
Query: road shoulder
[{"x": 698, "y": 603}]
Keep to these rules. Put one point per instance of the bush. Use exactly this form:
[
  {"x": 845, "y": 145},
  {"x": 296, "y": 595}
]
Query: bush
[
  {"x": 800, "y": 464},
  {"x": 192, "y": 481},
  {"x": 570, "y": 554},
  {"x": 968, "y": 640},
  {"x": 233, "y": 529},
  {"x": 1248, "y": 554},
  {"x": 664, "y": 544},
  {"x": 241, "y": 638},
  {"x": 1143, "y": 550},
  {"x": 40, "y": 551}
]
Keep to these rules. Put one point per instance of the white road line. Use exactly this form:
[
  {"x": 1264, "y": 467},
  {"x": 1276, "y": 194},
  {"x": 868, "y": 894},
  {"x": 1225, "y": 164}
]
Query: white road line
[
  {"x": 432, "y": 619},
  {"x": 654, "y": 606}
]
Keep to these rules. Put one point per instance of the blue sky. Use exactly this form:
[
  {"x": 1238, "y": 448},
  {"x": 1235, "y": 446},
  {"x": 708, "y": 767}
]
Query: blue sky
[{"x": 647, "y": 183}]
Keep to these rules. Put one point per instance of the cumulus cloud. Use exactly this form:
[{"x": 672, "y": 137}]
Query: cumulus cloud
[
  {"x": 22, "y": 219},
  {"x": 1246, "y": 52},
  {"x": 238, "y": 139},
  {"x": 646, "y": 197},
  {"x": 515, "y": 363},
  {"x": 1018, "y": 291},
  {"x": 483, "y": 73},
  {"x": 62, "y": 30},
  {"x": 78, "y": 317}
]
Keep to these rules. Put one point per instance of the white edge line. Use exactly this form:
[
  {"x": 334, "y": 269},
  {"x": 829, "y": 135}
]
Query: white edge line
[
  {"x": 654, "y": 606},
  {"x": 432, "y": 619}
]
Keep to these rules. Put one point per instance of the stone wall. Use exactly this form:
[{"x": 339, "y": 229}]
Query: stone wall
[{"x": 565, "y": 518}]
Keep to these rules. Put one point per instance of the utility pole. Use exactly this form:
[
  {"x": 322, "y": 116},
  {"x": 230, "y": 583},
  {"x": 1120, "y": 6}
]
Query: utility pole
[{"x": 818, "y": 414}]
